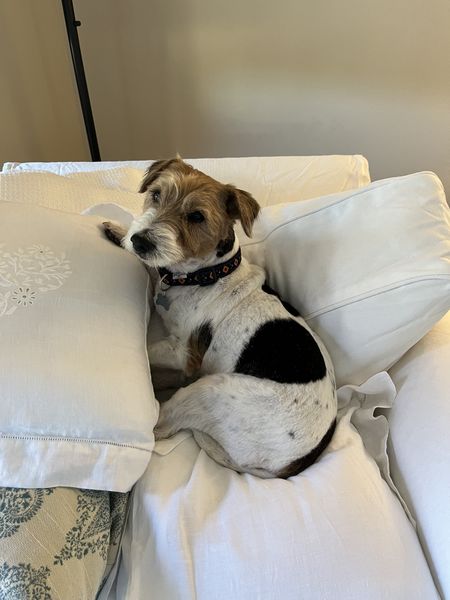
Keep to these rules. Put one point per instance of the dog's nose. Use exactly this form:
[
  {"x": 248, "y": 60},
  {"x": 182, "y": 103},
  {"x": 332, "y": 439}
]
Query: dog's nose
[{"x": 141, "y": 243}]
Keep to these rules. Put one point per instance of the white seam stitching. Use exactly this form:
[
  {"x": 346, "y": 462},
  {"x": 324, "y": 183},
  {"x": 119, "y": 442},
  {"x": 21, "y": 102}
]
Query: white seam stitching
[
  {"x": 373, "y": 293},
  {"x": 336, "y": 203},
  {"x": 36, "y": 438}
]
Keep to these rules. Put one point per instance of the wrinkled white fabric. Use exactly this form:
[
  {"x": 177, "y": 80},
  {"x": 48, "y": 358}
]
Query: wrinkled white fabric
[
  {"x": 360, "y": 403},
  {"x": 336, "y": 531}
]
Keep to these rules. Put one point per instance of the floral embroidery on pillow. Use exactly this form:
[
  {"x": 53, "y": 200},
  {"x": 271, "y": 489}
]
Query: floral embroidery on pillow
[{"x": 28, "y": 272}]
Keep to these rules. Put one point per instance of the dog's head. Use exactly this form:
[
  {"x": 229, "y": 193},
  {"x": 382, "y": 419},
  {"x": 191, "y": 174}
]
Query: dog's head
[{"x": 187, "y": 215}]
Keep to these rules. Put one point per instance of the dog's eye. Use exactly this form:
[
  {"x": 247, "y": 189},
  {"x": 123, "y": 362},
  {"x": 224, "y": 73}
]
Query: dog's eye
[
  {"x": 195, "y": 217},
  {"x": 156, "y": 196}
]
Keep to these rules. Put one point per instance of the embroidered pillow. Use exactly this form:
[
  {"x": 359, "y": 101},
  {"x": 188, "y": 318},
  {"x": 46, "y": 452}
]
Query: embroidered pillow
[{"x": 76, "y": 403}]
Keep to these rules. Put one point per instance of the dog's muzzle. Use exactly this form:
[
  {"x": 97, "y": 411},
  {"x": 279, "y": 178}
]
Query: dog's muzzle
[{"x": 142, "y": 245}]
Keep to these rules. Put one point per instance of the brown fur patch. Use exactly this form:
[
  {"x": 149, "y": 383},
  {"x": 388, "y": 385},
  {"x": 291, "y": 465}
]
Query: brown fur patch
[
  {"x": 198, "y": 344},
  {"x": 156, "y": 168},
  {"x": 241, "y": 205}
]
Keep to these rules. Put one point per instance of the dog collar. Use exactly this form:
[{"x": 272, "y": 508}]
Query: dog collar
[{"x": 205, "y": 276}]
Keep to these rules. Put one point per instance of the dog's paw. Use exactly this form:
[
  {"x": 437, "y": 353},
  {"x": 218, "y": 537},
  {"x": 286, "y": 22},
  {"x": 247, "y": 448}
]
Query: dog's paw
[
  {"x": 166, "y": 426},
  {"x": 115, "y": 233},
  {"x": 162, "y": 433}
]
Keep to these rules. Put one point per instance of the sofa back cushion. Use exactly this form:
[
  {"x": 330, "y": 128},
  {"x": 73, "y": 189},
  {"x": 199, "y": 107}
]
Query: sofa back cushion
[
  {"x": 368, "y": 269},
  {"x": 76, "y": 186}
]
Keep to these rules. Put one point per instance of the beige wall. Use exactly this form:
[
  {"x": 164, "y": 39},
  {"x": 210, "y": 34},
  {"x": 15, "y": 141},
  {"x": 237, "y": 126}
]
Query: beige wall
[
  {"x": 40, "y": 118},
  {"x": 215, "y": 78},
  {"x": 230, "y": 78}
]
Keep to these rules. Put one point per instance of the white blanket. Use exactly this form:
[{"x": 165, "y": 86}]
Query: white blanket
[{"x": 199, "y": 531}]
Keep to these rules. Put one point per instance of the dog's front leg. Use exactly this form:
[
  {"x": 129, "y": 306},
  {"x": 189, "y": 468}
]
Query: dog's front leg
[{"x": 114, "y": 232}]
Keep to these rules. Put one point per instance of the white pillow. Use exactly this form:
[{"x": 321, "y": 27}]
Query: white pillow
[
  {"x": 76, "y": 404},
  {"x": 200, "y": 531},
  {"x": 368, "y": 269},
  {"x": 76, "y": 186}
]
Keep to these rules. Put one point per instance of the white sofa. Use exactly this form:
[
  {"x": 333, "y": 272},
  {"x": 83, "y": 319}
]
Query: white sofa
[{"x": 350, "y": 527}]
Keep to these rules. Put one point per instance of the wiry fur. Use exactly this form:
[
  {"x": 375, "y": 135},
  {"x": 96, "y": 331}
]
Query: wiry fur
[{"x": 255, "y": 424}]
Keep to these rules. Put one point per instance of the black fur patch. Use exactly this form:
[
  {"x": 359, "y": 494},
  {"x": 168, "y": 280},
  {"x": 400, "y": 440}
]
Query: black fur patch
[
  {"x": 299, "y": 465},
  {"x": 294, "y": 312},
  {"x": 284, "y": 351},
  {"x": 225, "y": 246},
  {"x": 204, "y": 337}
]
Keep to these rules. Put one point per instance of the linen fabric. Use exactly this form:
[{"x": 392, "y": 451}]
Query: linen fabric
[
  {"x": 76, "y": 402},
  {"x": 336, "y": 531}
]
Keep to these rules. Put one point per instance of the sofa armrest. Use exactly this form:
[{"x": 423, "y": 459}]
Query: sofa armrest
[{"x": 419, "y": 446}]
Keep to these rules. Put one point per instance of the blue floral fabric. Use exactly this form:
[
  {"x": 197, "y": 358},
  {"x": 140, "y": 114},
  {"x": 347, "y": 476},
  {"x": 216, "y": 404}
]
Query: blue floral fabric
[
  {"x": 59, "y": 542},
  {"x": 18, "y": 506}
]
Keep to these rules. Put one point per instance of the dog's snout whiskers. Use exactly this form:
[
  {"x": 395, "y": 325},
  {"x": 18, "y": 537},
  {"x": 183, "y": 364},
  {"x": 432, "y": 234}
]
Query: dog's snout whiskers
[{"x": 142, "y": 244}]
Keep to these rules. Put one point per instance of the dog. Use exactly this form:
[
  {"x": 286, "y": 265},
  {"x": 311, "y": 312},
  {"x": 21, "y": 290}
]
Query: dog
[{"x": 262, "y": 397}]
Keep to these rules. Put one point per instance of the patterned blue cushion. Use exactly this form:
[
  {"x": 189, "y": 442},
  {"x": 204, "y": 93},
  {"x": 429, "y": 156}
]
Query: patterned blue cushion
[{"x": 58, "y": 542}]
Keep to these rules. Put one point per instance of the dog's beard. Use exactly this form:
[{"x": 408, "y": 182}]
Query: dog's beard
[{"x": 166, "y": 251}]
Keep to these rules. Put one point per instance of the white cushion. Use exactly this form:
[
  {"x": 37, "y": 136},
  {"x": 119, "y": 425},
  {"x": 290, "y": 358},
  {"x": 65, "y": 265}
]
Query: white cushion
[
  {"x": 368, "y": 269},
  {"x": 271, "y": 179},
  {"x": 73, "y": 192},
  {"x": 200, "y": 531},
  {"x": 76, "y": 404},
  {"x": 420, "y": 443}
]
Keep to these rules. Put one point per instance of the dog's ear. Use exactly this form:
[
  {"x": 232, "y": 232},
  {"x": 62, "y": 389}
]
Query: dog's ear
[
  {"x": 156, "y": 168},
  {"x": 241, "y": 205},
  {"x": 154, "y": 171}
]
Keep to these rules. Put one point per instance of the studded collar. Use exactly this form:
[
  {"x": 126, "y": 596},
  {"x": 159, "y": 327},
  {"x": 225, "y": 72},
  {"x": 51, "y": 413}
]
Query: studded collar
[{"x": 202, "y": 277}]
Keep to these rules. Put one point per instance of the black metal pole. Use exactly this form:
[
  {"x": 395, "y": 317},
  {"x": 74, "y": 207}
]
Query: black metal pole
[{"x": 72, "y": 34}]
